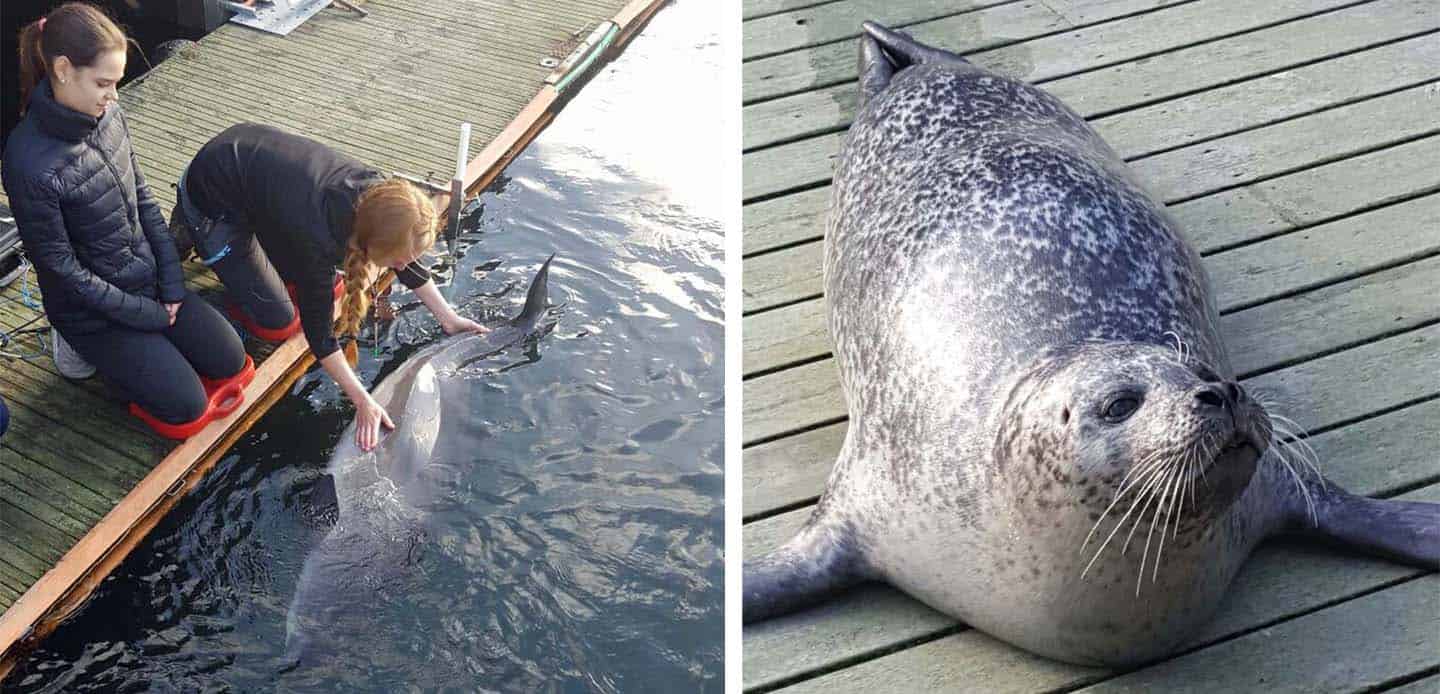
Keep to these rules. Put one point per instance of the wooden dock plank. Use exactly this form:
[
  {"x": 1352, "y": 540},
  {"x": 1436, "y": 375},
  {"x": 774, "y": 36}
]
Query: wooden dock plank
[
  {"x": 792, "y": 470},
  {"x": 1394, "y": 628},
  {"x": 1240, "y": 277},
  {"x": 815, "y": 26},
  {"x": 1234, "y": 216},
  {"x": 1270, "y": 70},
  {"x": 1214, "y": 164},
  {"x": 751, "y": 9},
  {"x": 993, "y": 36}
]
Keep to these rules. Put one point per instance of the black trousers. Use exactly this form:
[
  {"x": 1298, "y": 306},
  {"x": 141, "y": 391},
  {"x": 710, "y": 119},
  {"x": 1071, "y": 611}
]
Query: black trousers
[
  {"x": 251, "y": 280},
  {"x": 161, "y": 370}
]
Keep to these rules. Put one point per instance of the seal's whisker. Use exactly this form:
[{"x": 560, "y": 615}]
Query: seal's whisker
[
  {"x": 1125, "y": 485},
  {"x": 1168, "y": 506},
  {"x": 1152, "y": 491},
  {"x": 1304, "y": 491},
  {"x": 1170, "y": 513},
  {"x": 1290, "y": 445},
  {"x": 1154, "y": 472}
]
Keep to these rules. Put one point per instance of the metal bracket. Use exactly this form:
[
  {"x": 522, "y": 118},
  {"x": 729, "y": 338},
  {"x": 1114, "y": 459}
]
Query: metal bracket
[
  {"x": 279, "y": 16},
  {"x": 584, "y": 55}
]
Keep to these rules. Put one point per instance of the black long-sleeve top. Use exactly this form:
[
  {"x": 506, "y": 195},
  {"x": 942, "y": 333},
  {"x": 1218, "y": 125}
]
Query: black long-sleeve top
[{"x": 298, "y": 197}]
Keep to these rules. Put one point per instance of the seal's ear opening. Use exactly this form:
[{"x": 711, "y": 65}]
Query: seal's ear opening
[{"x": 884, "y": 52}]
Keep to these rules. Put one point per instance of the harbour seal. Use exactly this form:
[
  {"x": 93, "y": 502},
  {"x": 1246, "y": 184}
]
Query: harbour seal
[{"x": 1046, "y": 437}]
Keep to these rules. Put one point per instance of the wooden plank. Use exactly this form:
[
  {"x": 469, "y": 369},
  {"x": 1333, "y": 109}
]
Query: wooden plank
[
  {"x": 1215, "y": 164},
  {"x": 1277, "y": 81},
  {"x": 792, "y": 470},
  {"x": 23, "y": 558},
  {"x": 24, "y": 473},
  {"x": 760, "y": 8},
  {"x": 14, "y": 576},
  {"x": 103, "y": 422},
  {"x": 809, "y": 395},
  {"x": 816, "y": 26},
  {"x": 1240, "y": 277},
  {"x": 1058, "y": 51},
  {"x": 1281, "y": 579},
  {"x": 71, "y": 456},
  {"x": 1394, "y": 628},
  {"x": 1230, "y": 217}
]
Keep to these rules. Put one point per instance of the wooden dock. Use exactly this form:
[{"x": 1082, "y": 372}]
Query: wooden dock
[
  {"x": 82, "y": 482},
  {"x": 1297, "y": 143}
]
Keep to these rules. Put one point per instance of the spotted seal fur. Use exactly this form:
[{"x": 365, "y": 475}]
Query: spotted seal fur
[{"x": 1046, "y": 437}]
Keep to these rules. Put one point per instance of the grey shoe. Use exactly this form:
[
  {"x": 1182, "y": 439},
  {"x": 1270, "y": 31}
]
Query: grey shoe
[{"x": 67, "y": 361}]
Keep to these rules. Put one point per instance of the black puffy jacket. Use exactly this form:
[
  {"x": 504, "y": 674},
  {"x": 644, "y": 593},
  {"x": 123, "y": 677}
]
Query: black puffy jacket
[{"x": 87, "y": 220}]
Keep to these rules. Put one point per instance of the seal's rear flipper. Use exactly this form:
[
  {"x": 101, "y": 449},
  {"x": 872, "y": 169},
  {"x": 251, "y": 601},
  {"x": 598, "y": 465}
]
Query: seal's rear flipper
[
  {"x": 817, "y": 562},
  {"x": 875, "y": 69},
  {"x": 884, "y": 52},
  {"x": 1407, "y": 531}
]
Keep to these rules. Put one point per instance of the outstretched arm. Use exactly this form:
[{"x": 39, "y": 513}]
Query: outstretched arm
[{"x": 451, "y": 321}]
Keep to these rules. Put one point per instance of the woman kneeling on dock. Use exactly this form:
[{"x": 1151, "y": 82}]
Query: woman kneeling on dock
[
  {"x": 107, "y": 265},
  {"x": 266, "y": 208}
]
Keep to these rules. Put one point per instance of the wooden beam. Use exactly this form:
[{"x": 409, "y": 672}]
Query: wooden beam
[{"x": 68, "y": 585}]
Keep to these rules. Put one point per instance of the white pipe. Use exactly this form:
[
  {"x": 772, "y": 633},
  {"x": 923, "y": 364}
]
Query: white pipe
[{"x": 463, "y": 157}]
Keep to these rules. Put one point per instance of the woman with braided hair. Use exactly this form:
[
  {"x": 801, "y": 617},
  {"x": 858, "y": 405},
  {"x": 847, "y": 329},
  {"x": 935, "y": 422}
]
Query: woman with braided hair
[{"x": 266, "y": 208}]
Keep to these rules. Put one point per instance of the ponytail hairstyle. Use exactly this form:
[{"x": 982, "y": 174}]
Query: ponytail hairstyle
[
  {"x": 77, "y": 30},
  {"x": 393, "y": 220}
]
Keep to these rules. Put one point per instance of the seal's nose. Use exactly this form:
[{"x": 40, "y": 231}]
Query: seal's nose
[
  {"x": 1212, "y": 395},
  {"x": 1222, "y": 395}
]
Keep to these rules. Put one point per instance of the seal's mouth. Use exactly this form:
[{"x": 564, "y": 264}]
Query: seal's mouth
[{"x": 1239, "y": 450}]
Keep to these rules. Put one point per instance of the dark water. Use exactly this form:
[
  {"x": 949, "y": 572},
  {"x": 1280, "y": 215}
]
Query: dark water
[{"x": 578, "y": 517}]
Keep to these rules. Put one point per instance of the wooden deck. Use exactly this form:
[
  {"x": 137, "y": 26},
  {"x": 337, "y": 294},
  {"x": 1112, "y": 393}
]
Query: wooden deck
[
  {"x": 81, "y": 481},
  {"x": 1297, "y": 143}
]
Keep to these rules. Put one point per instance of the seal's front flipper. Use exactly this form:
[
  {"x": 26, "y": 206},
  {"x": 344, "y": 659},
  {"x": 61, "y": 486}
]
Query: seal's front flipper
[
  {"x": 820, "y": 560},
  {"x": 1407, "y": 531}
]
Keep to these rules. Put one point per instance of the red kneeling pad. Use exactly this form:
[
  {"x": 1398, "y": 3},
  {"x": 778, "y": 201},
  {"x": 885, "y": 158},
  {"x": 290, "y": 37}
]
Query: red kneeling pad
[
  {"x": 280, "y": 334},
  {"x": 223, "y": 396}
]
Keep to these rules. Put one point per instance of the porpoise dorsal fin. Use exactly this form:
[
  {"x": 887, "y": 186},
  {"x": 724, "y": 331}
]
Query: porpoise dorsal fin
[{"x": 537, "y": 296}]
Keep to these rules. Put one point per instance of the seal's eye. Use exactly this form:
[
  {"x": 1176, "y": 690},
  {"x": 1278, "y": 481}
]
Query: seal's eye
[{"x": 1121, "y": 407}]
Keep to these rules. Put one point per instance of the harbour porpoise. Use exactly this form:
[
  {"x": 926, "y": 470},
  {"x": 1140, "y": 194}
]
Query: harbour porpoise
[{"x": 381, "y": 494}]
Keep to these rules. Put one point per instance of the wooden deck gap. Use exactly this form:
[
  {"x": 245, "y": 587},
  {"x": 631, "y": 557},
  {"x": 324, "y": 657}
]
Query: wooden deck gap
[
  {"x": 797, "y": 430},
  {"x": 1249, "y": 77},
  {"x": 858, "y": 658},
  {"x": 1313, "y": 164},
  {"x": 781, "y": 509},
  {"x": 897, "y": 26},
  {"x": 1416, "y": 575},
  {"x": 795, "y": 8},
  {"x": 1292, "y": 292},
  {"x": 1399, "y": 682},
  {"x": 1341, "y": 423},
  {"x": 1096, "y": 66}
]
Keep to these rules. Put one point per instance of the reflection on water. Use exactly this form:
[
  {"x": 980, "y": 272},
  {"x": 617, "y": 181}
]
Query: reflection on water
[{"x": 574, "y": 525}]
